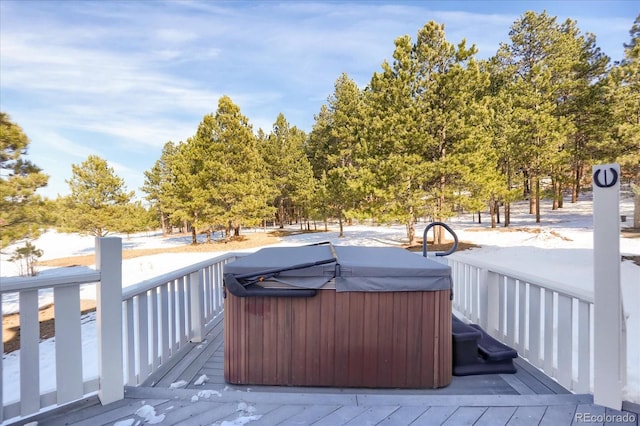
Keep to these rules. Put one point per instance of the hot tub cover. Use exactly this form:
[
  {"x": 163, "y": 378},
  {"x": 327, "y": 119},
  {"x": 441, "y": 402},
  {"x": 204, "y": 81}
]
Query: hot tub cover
[{"x": 353, "y": 268}]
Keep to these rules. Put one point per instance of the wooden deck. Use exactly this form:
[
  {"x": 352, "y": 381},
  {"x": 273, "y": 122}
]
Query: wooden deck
[{"x": 173, "y": 397}]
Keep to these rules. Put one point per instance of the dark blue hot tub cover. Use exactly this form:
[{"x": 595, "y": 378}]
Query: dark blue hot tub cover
[{"x": 353, "y": 268}]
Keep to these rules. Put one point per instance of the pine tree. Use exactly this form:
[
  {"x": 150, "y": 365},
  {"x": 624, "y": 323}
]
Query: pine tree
[
  {"x": 429, "y": 140},
  {"x": 288, "y": 168},
  {"x": 542, "y": 61},
  {"x": 98, "y": 200},
  {"x": 218, "y": 178},
  {"x": 157, "y": 183},
  {"x": 21, "y": 209},
  {"x": 332, "y": 148},
  {"x": 624, "y": 97}
]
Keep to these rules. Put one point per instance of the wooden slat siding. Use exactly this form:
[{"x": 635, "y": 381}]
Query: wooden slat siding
[
  {"x": 68, "y": 344},
  {"x": 428, "y": 334},
  {"x": 341, "y": 332},
  {"x": 30, "y": 353},
  {"x": 324, "y": 341},
  {"x": 415, "y": 354},
  {"x": 312, "y": 342},
  {"x": 370, "y": 335},
  {"x": 269, "y": 337},
  {"x": 399, "y": 339},
  {"x": 385, "y": 331},
  {"x": 356, "y": 353},
  {"x": 256, "y": 336},
  {"x": 298, "y": 341},
  {"x": 327, "y": 337},
  {"x": 443, "y": 342}
]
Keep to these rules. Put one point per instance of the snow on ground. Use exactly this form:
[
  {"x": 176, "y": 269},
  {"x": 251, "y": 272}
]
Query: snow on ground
[{"x": 558, "y": 249}]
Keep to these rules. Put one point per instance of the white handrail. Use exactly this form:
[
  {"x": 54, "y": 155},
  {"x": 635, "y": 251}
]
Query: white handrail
[
  {"x": 549, "y": 324},
  {"x": 161, "y": 316}
]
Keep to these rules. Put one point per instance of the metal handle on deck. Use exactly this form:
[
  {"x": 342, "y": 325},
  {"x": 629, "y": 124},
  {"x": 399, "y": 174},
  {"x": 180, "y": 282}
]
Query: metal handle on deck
[{"x": 441, "y": 253}]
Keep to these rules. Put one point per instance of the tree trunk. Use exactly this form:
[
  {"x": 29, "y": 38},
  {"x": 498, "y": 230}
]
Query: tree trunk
[
  {"x": 554, "y": 190},
  {"x": 194, "y": 236},
  {"x": 497, "y": 204},
  {"x": 636, "y": 206},
  {"x": 492, "y": 213},
  {"x": 341, "y": 227},
  {"x": 281, "y": 213},
  {"x": 537, "y": 197},
  {"x": 411, "y": 231},
  {"x": 163, "y": 223},
  {"x": 575, "y": 193}
]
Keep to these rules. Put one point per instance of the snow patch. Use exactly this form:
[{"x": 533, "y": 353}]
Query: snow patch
[
  {"x": 201, "y": 380},
  {"x": 179, "y": 384},
  {"x": 148, "y": 413}
]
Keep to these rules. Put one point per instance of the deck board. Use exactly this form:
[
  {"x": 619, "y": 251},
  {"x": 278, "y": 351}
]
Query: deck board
[{"x": 527, "y": 397}]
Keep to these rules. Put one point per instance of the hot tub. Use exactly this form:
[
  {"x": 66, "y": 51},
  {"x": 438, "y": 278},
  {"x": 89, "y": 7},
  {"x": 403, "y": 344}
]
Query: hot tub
[{"x": 340, "y": 316}]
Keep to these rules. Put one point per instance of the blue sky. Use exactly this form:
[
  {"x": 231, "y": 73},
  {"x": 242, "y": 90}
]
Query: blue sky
[{"x": 119, "y": 79}]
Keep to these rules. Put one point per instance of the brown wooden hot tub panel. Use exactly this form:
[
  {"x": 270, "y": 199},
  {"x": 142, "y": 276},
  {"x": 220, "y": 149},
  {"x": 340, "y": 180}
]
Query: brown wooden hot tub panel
[{"x": 350, "y": 339}]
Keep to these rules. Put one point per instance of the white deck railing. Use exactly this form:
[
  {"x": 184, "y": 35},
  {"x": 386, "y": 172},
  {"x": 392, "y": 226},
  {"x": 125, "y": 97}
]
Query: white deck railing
[
  {"x": 148, "y": 324},
  {"x": 151, "y": 322},
  {"x": 547, "y": 323}
]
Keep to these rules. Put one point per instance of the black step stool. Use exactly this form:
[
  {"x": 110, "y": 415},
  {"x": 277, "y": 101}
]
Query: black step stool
[{"x": 476, "y": 352}]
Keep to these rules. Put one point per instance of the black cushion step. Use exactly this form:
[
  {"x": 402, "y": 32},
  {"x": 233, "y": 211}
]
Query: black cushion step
[
  {"x": 491, "y": 349},
  {"x": 462, "y": 331},
  {"x": 485, "y": 367}
]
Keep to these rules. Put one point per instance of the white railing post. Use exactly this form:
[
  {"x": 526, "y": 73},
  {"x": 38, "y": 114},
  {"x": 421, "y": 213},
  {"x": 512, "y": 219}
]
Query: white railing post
[
  {"x": 109, "y": 319},
  {"x": 607, "y": 292},
  {"x": 197, "y": 307},
  {"x": 493, "y": 309}
]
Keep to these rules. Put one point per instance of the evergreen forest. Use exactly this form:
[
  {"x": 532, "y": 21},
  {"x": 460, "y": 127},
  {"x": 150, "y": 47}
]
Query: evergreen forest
[{"x": 434, "y": 133}]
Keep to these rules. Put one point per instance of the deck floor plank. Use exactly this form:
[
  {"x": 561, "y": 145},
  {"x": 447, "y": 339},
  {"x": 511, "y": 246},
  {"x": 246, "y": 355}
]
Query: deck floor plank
[
  {"x": 497, "y": 416},
  {"x": 527, "y": 416},
  {"x": 435, "y": 415},
  {"x": 341, "y": 416},
  {"x": 373, "y": 415},
  {"x": 559, "y": 415},
  {"x": 309, "y": 415},
  {"x": 465, "y": 416},
  {"x": 526, "y": 397},
  {"x": 403, "y": 416}
]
